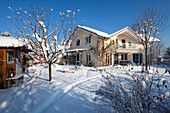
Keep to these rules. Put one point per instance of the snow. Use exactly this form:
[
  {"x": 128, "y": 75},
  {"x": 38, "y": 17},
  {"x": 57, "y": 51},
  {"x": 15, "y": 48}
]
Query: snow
[
  {"x": 10, "y": 42},
  {"x": 96, "y": 32},
  {"x": 76, "y": 50},
  {"x": 151, "y": 39},
  {"x": 71, "y": 92},
  {"x": 66, "y": 69},
  {"x": 16, "y": 77},
  {"x": 67, "y": 92}
]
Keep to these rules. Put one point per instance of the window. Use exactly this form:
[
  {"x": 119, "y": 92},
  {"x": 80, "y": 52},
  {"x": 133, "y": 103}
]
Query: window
[
  {"x": 88, "y": 40},
  {"x": 78, "y": 43},
  {"x": 10, "y": 57},
  {"x": 130, "y": 43},
  {"x": 137, "y": 58},
  {"x": 123, "y": 43},
  {"x": 124, "y": 56}
]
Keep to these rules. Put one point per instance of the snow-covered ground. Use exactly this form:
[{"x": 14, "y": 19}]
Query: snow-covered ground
[{"x": 70, "y": 92}]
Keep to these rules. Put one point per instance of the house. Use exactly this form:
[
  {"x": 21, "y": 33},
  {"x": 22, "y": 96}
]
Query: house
[
  {"x": 100, "y": 49},
  {"x": 11, "y": 54}
]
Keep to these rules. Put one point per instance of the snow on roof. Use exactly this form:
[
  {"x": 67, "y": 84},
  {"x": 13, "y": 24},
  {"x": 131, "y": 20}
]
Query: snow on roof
[
  {"x": 100, "y": 33},
  {"x": 9, "y": 42},
  {"x": 76, "y": 50},
  {"x": 94, "y": 31},
  {"x": 151, "y": 39}
]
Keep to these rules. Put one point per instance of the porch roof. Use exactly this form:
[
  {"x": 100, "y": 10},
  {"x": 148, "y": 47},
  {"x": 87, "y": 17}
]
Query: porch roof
[{"x": 78, "y": 50}]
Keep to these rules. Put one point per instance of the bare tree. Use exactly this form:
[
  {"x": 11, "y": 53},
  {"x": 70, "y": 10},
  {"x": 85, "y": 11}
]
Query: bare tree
[
  {"x": 150, "y": 24},
  {"x": 46, "y": 31},
  {"x": 137, "y": 93},
  {"x": 157, "y": 52}
]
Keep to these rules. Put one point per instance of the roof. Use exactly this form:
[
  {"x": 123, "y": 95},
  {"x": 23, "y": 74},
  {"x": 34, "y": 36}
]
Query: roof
[
  {"x": 10, "y": 42},
  {"x": 94, "y": 31},
  {"x": 124, "y": 30},
  {"x": 127, "y": 29}
]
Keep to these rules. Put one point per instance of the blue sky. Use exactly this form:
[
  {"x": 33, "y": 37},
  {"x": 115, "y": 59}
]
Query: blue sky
[{"x": 104, "y": 15}]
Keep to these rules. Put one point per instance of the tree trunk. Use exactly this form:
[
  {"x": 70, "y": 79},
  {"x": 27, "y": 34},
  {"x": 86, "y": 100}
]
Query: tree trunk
[
  {"x": 150, "y": 56},
  {"x": 50, "y": 76},
  {"x": 146, "y": 58}
]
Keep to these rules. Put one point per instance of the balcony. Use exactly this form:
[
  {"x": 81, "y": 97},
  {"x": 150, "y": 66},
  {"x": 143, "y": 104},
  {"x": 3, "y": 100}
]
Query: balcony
[{"x": 126, "y": 50}]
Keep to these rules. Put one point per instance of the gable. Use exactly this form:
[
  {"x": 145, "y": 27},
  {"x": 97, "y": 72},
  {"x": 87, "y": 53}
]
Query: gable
[{"x": 127, "y": 32}]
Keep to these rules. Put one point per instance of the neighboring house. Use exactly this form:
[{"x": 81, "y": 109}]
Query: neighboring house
[
  {"x": 99, "y": 48},
  {"x": 11, "y": 68}
]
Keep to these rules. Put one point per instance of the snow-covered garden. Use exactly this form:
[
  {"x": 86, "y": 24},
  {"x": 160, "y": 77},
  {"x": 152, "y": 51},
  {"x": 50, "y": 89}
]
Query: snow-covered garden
[{"x": 70, "y": 92}]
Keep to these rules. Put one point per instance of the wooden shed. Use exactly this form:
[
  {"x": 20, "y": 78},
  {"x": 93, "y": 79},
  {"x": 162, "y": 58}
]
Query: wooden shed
[{"x": 11, "y": 68}]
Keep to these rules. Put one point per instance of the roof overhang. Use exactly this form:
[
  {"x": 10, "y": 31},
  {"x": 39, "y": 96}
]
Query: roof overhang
[{"x": 77, "y": 50}]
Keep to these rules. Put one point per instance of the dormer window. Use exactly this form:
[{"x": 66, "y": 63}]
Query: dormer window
[
  {"x": 88, "y": 40},
  {"x": 78, "y": 43}
]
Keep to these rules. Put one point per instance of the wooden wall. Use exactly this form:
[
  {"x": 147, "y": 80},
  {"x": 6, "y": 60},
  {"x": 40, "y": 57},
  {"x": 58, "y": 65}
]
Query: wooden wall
[{"x": 4, "y": 67}]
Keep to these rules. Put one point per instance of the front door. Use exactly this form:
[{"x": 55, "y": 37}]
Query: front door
[{"x": 18, "y": 62}]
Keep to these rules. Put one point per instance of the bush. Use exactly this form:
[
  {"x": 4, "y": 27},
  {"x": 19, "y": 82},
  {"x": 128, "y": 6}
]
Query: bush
[
  {"x": 90, "y": 64},
  {"x": 139, "y": 93}
]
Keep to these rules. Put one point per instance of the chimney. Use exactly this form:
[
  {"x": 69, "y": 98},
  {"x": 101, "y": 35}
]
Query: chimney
[{"x": 5, "y": 34}]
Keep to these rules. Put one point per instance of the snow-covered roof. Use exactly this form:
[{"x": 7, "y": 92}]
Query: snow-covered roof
[
  {"x": 94, "y": 31},
  {"x": 124, "y": 30},
  {"x": 10, "y": 42},
  {"x": 77, "y": 50}
]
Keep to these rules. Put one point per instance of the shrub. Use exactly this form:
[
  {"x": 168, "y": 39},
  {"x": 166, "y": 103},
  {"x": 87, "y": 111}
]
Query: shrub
[
  {"x": 90, "y": 64},
  {"x": 140, "y": 93}
]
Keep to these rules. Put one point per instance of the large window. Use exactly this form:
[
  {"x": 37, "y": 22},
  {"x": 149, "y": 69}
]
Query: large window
[
  {"x": 88, "y": 40},
  {"x": 123, "y": 43},
  {"x": 10, "y": 57},
  {"x": 78, "y": 43},
  {"x": 137, "y": 58},
  {"x": 124, "y": 56}
]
